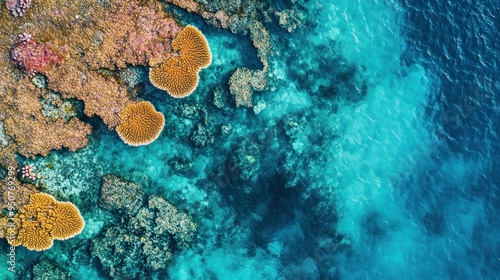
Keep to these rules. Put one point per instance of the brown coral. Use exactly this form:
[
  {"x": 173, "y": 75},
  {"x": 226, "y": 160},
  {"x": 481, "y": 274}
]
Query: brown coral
[
  {"x": 43, "y": 220},
  {"x": 193, "y": 48},
  {"x": 173, "y": 78},
  {"x": 140, "y": 124},
  {"x": 87, "y": 36}
]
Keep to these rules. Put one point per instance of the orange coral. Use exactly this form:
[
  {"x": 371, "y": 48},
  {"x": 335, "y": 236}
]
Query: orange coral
[
  {"x": 173, "y": 78},
  {"x": 193, "y": 48},
  {"x": 68, "y": 223},
  {"x": 140, "y": 124},
  {"x": 179, "y": 75},
  {"x": 43, "y": 220}
]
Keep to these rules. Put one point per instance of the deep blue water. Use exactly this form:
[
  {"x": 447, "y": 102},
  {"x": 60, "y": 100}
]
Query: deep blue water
[{"x": 374, "y": 158}]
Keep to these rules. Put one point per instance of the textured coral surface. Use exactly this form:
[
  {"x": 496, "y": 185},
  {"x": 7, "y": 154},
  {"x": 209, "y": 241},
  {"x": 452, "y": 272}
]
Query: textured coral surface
[
  {"x": 43, "y": 220},
  {"x": 68, "y": 44},
  {"x": 179, "y": 75},
  {"x": 140, "y": 124}
]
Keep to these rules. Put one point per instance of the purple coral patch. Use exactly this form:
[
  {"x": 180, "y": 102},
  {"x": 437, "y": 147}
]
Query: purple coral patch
[
  {"x": 18, "y": 7},
  {"x": 35, "y": 57}
]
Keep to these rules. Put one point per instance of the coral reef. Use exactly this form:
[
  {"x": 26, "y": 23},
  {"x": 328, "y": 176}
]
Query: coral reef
[
  {"x": 43, "y": 220},
  {"x": 193, "y": 48},
  {"x": 18, "y": 7},
  {"x": 173, "y": 78},
  {"x": 245, "y": 16},
  {"x": 140, "y": 124},
  {"x": 28, "y": 172},
  {"x": 35, "y": 57},
  {"x": 54, "y": 107},
  {"x": 4, "y": 138},
  {"x": 131, "y": 33},
  {"x": 221, "y": 98},
  {"x": 168, "y": 219},
  {"x": 243, "y": 82},
  {"x": 121, "y": 253},
  {"x": 202, "y": 136},
  {"x": 245, "y": 161},
  {"x": 179, "y": 75},
  {"x": 118, "y": 194},
  {"x": 46, "y": 269},
  {"x": 3, "y": 226},
  {"x": 68, "y": 44},
  {"x": 289, "y": 19},
  {"x": 144, "y": 239}
]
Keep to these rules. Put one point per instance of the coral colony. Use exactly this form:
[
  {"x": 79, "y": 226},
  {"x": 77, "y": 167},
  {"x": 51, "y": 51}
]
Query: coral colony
[
  {"x": 34, "y": 57},
  {"x": 28, "y": 172},
  {"x": 18, "y": 7}
]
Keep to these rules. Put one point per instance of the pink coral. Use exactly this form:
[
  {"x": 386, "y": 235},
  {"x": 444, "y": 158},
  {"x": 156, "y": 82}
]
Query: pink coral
[
  {"x": 132, "y": 34},
  {"x": 35, "y": 57},
  {"x": 28, "y": 171},
  {"x": 18, "y": 7}
]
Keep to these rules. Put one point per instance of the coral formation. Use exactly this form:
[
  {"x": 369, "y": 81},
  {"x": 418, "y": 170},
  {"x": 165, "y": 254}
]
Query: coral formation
[
  {"x": 289, "y": 19},
  {"x": 20, "y": 192},
  {"x": 245, "y": 161},
  {"x": 143, "y": 240},
  {"x": 46, "y": 269},
  {"x": 68, "y": 45},
  {"x": 193, "y": 48},
  {"x": 18, "y": 7},
  {"x": 168, "y": 219},
  {"x": 118, "y": 194},
  {"x": 245, "y": 16},
  {"x": 27, "y": 171},
  {"x": 35, "y": 57},
  {"x": 202, "y": 136},
  {"x": 131, "y": 33},
  {"x": 242, "y": 83},
  {"x": 43, "y": 220},
  {"x": 179, "y": 75},
  {"x": 173, "y": 78},
  {"x": 140, "y": 124},
  {"x": 54, "y": 107}
]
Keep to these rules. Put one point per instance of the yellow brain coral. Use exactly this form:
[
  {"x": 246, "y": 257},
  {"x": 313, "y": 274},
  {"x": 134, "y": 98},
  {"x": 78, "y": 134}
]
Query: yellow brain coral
[
  {"x": 179, "y": 75},
  {"x": 43, "y": 220},
  {"x": 193, "y": 48},
  {"x": 173, "y": 78},
  {"x": 140, "y": 124}
]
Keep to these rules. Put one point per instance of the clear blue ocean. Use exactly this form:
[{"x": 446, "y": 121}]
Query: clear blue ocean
[{"x": 375, "y": 155}]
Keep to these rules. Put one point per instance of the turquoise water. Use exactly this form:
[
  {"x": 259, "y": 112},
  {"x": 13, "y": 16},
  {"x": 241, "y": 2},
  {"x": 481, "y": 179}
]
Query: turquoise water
[{"x": 373, "y": 158}]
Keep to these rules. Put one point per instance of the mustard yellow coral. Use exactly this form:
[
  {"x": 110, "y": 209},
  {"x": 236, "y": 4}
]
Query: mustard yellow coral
[
  {"x": 44, "y": 219},
  {"x": 68, "y": 223},
  {"x": 179, "y": 75},
  {"x": 140, "y": 124},
  {"x": 193, "y": 48},
  {"x": 173, "y": 78}
]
